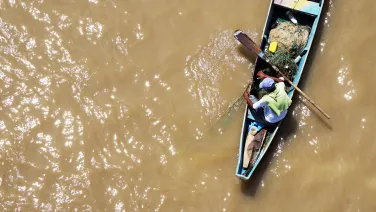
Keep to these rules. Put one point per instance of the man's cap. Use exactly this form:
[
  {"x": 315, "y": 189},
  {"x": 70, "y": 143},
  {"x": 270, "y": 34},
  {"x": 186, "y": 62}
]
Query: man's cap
[{"x": 267, "y": 83}]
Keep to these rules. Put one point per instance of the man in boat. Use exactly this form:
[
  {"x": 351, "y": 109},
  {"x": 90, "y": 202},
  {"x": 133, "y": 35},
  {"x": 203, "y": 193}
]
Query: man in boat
[{"x": 272, "y": 107}]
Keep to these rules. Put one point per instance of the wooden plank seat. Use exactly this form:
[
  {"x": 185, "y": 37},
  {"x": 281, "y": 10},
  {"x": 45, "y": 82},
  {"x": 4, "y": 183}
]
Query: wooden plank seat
[{"x": 305, "y": 6}]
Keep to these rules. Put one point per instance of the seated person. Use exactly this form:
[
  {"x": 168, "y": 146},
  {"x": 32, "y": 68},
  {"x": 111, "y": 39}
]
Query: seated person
[{"x": 272, "y": 107}]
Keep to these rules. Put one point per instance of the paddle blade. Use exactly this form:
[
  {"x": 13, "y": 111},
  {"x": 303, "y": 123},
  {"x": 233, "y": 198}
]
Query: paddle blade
[{"x": 248, "y": 42}]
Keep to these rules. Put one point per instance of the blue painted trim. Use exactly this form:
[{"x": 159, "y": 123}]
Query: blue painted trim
[{"x": 239, "y": 168}]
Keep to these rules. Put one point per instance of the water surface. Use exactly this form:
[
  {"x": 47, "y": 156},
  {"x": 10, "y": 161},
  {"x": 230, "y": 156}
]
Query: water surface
[{"x": 113, "y": 106}]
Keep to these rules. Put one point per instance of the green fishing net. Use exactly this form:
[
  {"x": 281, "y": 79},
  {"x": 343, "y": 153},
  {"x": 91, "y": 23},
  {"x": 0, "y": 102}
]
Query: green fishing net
[{"x": 291, "y": 40}]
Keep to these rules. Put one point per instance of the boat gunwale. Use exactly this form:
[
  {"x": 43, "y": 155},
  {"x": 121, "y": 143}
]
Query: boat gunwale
[{"x": 296, "y": 80}]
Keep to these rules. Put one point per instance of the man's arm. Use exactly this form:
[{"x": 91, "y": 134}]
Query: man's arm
[
  {"x": 246, "y": 97},
  {"x": 262, "y": 76}
]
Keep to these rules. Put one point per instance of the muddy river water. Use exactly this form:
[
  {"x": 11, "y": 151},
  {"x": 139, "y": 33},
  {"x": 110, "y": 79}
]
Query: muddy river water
[{"x": 110, "y": 105}]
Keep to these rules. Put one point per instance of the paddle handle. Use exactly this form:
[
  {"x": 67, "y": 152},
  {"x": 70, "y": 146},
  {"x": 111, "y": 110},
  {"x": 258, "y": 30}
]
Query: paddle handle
[
  {"x": 251, "y": 45},
  {"x": 301, "y": 92}
]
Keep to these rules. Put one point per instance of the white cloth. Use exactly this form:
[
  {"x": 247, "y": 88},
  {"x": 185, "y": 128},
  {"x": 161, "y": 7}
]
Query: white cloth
[{"x": 270, "y": 116}]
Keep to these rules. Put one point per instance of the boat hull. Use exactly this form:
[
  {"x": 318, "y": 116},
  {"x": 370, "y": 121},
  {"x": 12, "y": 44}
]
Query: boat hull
[{"x": 306, "y": 17}]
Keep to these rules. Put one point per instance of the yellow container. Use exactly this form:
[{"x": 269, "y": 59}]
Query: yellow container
[{"x": 273, "y": 47}]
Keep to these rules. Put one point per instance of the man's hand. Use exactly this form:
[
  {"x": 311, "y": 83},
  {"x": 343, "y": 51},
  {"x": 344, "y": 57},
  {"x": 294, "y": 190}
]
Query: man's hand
[
  {"x": 261, "y": 75},
  {"x": 246, "y": 95}
]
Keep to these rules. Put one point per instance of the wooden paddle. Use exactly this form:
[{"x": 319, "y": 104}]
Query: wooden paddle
[
  {"x": 248, "y": 42},
  {"x": 248, "y": 149},
  {"x": 254, "y": 150}
]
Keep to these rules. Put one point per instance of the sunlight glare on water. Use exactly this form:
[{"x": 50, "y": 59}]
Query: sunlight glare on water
[{"x": 112, "y": 105}]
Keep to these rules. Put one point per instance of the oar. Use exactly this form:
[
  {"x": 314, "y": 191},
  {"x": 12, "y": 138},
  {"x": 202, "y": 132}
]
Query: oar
[{"x": 248, "y": 42}]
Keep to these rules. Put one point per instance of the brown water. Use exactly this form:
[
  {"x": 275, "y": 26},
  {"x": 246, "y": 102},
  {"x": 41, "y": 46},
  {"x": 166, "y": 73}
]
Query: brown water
[{"x": 109, "y": 106}]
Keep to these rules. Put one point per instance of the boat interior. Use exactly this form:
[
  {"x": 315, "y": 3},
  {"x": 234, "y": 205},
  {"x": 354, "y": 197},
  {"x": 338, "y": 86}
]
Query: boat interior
[{"x": 306, "y": 13}]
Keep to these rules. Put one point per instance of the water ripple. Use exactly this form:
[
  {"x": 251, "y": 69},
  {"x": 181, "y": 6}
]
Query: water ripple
[{"x": 210, "y": 66}]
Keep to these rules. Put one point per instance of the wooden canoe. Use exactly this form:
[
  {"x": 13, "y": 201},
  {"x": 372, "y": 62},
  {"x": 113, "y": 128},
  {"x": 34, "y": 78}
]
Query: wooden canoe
[{"x": 307, "y": 13}]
